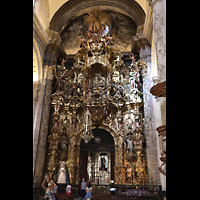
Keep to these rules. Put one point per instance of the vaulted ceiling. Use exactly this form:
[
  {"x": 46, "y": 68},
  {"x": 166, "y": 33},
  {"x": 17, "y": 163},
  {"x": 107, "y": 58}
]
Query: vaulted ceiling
[
  {"x": 123, "y": 27},
  {"x": 55, "y": 5},
  {"x": 55, "y": 15},
  {"x": 75, "y": 8},
  {"x": 66, "y": 18}
]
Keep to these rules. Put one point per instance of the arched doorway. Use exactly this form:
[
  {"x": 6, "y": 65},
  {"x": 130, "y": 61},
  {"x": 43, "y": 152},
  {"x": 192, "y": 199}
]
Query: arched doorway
[{"x": 97, "y": 158}]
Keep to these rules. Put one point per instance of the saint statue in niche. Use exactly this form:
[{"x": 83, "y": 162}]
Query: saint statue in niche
[
  {"x": 129, "y": 173},
  {"x": 103, "y": 162},
  {"x": 129, "y": 144},
  {"x": 62, "y": 175}
]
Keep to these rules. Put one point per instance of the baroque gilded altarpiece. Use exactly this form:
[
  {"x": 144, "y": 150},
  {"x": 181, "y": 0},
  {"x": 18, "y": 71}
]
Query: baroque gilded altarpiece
[{"x": 100, "y": 92}]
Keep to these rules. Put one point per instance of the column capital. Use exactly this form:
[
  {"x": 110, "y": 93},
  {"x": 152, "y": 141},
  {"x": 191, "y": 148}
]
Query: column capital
[{"x": 153, "y": 2}]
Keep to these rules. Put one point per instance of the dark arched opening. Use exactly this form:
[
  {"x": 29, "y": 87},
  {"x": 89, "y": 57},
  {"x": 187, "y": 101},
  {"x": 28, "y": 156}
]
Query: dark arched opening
[{"x": 97, "y": 158}]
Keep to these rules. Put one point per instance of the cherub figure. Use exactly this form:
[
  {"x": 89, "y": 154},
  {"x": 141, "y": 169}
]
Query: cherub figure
[
  {"x": 132, "y": 57},
  {"x": 90, "y": 34},
  {"x": 137, "y": 124},
  {"x": 55, "y": 126},
  {"x": 82, "y": 42},
  {"x": 64, "y": 60},
  {"x": 109, "y": 39}
]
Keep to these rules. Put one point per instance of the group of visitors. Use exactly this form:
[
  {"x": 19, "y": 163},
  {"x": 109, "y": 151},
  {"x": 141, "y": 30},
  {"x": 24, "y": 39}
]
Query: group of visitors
[
  {"x": 53, "y": 188},
  {"x": 85, "y": 189}
]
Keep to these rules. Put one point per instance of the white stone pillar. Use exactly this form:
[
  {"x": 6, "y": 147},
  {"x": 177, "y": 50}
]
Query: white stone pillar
[
  {"x": 40, "y": 145},
  {"x": 160, "y": 37}
]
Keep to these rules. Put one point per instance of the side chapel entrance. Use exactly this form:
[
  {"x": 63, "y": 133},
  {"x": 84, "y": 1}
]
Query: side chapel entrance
[{"x": 97, "y": 158}]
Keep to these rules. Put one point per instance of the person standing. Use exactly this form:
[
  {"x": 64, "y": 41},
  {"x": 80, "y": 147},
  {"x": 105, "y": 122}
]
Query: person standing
[
  {"x": 49, "y": 190},
  {"x": 83, "y": 188},
  {"x": 68, "y": 189},
  {"x": 55, "y": 190},
  {"x": 89, "y": 191}
]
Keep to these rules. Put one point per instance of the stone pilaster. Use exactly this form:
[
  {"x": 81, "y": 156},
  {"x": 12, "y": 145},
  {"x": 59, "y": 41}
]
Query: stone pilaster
[
  {"x": 38, "y": 107},
  {"x": 160, "y": 44},
  {"x": 53, "y": 50},
  {"x": 160, "y": 37},
  {"x": 119, "y": 157},
  {"x": 151, "y": 146},
  {"x": 41, "y": 151}
]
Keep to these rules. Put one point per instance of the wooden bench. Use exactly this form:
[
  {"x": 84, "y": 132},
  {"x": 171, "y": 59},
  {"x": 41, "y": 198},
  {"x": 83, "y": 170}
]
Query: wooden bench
[
  {"x": 63, "y": 196},
  {"x": 105, "y": 197},
  {"x": 60, "y": 197}
]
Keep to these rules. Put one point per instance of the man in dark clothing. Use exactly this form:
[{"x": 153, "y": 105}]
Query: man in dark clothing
[{"x": 83, "y": 188}]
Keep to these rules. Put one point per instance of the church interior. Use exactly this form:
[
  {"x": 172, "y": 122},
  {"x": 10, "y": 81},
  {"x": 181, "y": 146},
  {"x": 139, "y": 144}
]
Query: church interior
[{"x": 99, "y": 98}]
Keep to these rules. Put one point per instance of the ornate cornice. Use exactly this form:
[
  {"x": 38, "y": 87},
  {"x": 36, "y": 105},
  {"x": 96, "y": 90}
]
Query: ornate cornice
[
  {"x": 159, "y": 90},
  {"x": 161, "y": 130},
  {"x": 153, "y": 2}
]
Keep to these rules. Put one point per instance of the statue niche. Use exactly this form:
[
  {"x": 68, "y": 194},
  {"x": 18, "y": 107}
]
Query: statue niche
[
  {"x": 103, "y": 162},
  {"x": 98, "y": 85},
  {"x": 98, "y": 80},
  {"x": 62, "y": 175}
]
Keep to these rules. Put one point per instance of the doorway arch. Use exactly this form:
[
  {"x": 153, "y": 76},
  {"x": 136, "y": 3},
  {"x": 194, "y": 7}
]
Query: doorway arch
[{"x": 92, "y": 154}]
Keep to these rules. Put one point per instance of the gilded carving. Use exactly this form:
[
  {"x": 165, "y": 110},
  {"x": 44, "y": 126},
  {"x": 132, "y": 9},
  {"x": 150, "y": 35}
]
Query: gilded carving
[{"x": 99, "y": 91}]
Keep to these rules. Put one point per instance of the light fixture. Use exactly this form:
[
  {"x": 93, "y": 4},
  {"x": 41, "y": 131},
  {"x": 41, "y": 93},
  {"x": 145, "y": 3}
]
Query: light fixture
[{"x": 87, "y": 135}]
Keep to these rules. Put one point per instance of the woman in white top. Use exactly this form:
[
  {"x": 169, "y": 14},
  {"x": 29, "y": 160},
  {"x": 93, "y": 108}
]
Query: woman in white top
[
  {"x": 68, "y": 189},
  {"x": 89, "y": 192}
]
